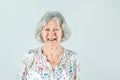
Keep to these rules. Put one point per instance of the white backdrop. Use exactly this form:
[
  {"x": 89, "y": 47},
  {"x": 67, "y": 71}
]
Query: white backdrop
[{"x": 95, "y": 26}]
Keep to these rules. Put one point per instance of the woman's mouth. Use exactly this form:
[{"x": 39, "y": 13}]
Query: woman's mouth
[{"x": 52, "y": 39}]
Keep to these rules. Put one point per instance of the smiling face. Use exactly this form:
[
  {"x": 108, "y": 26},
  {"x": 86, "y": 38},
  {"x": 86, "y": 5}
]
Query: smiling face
[{"x": 52, "y": 33}]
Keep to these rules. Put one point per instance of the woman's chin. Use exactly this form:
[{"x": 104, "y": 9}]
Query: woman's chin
[{"x": 52, "y": 43}]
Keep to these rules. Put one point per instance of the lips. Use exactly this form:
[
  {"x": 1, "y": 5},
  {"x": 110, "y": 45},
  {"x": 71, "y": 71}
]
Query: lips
[{"x": 52, "y": 39}]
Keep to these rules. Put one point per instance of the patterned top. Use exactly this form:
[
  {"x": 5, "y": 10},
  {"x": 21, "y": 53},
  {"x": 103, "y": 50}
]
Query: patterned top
[{"x": 35, "y": 66}]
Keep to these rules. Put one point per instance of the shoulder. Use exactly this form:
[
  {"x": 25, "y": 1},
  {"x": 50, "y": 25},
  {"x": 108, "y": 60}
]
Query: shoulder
[
  {"x": 71, "y": 53},
  {"x": 72, "y": 56},
  {"x": 31, "y": 52},
  {"x": 29, "y": 55}
]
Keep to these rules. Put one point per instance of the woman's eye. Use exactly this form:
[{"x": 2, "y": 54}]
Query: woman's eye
[
  {"x": 47, "y": 29},
  {"x": 56, "y": 29}
]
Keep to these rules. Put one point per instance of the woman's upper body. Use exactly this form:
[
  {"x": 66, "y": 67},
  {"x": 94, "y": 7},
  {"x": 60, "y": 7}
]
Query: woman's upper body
[
  {"x": 51, "y": 61},
  {"x": 36, "y": 66}
]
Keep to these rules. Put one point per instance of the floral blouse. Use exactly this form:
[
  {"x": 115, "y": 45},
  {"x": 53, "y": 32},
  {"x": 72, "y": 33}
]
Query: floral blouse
[{"x": 35, "y": 66}]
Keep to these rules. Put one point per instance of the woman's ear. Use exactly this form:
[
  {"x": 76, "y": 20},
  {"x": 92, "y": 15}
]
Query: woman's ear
[
  {"x": 62, "y": 34},
  {"x": 41, "y": 36}
]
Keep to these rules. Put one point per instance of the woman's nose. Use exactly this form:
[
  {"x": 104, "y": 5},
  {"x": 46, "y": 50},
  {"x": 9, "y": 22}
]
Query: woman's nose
[{"x": 52, "y": 32}]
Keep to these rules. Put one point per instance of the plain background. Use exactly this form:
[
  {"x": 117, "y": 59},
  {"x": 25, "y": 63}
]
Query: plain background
[{"x": 95, "y": 26}]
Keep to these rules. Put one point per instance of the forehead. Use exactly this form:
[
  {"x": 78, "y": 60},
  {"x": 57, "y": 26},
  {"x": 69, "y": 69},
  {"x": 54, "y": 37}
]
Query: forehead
[{"x": 52, "y": 23}]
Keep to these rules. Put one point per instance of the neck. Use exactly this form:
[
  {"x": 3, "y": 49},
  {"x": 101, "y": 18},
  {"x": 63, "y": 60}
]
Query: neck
[{"x": 56, "y": 50}]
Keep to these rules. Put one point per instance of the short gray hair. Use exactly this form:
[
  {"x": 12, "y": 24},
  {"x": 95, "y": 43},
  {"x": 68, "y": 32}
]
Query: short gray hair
[{"x": 52, "y": 15}]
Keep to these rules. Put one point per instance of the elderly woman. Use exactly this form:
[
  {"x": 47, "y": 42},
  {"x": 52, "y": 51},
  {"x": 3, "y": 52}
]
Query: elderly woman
[{"x": 51, "y": 61}]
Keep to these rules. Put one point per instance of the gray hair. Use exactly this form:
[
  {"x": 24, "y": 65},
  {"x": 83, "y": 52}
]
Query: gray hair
[{"x": 52, "y": 15}]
